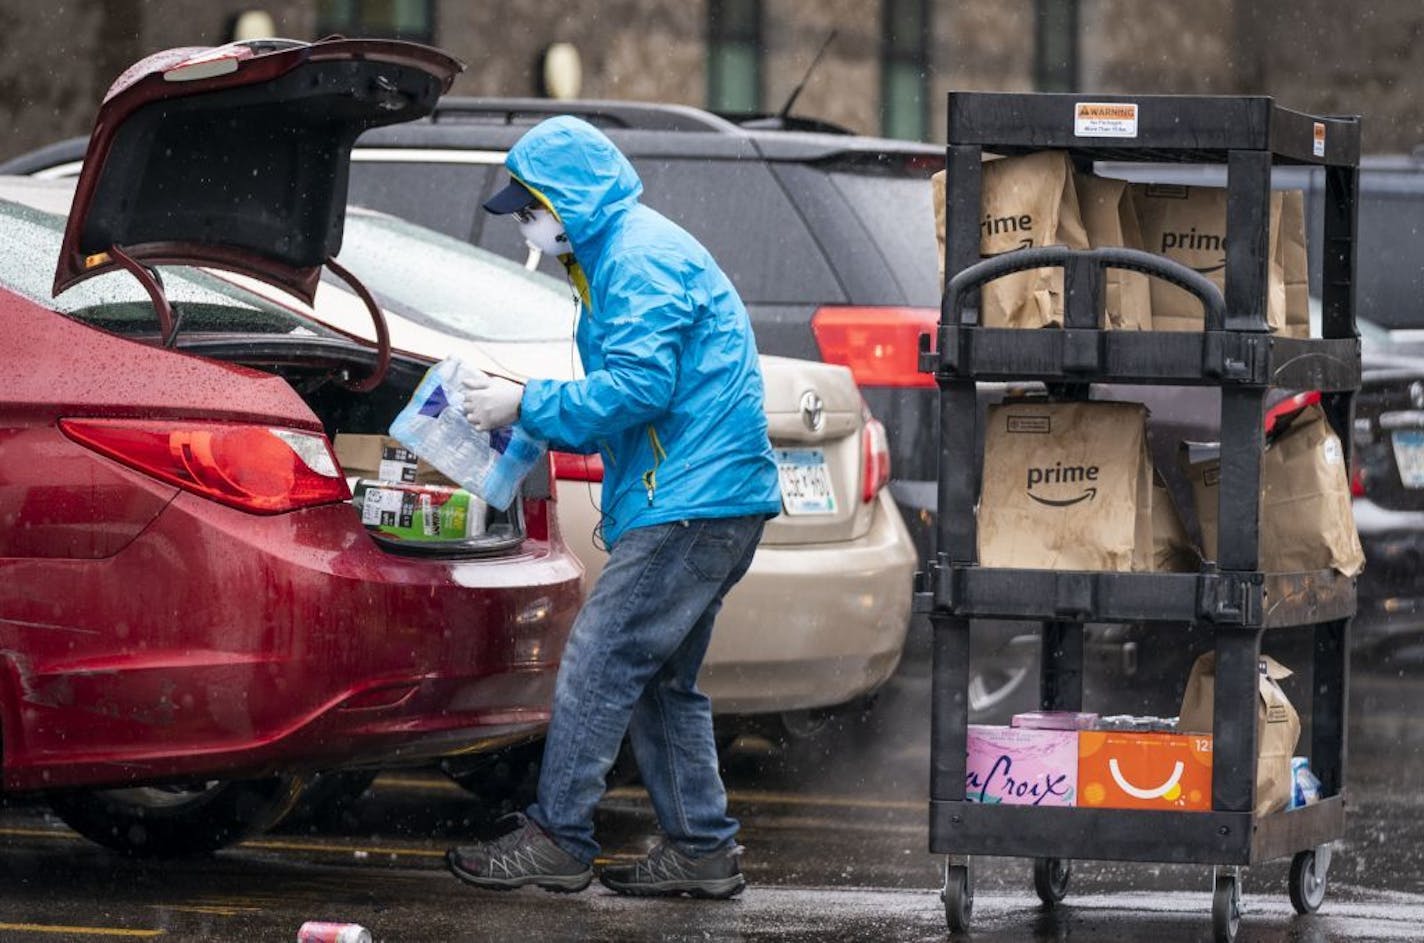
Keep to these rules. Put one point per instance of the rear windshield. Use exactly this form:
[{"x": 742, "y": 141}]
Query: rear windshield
[
  {"x": 116, "y": 302},
  {"x": 892, "y": 201},
  {"x": 451, "y": 286},
  {"x": 444, "y": 197},
  {"x": 744, "y": 218}
]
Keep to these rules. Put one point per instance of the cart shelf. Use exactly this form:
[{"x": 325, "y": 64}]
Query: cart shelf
[
  {"x": 1250, "y": 600},
  {"x": 1169, "y": 128},
  {"x": 1229, "y": 838}
]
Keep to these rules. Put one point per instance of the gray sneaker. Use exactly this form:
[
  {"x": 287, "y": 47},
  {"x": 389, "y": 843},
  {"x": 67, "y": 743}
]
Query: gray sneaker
[
  {"x": 668, "y": 872},
  {"x": 526, "y": 855}
]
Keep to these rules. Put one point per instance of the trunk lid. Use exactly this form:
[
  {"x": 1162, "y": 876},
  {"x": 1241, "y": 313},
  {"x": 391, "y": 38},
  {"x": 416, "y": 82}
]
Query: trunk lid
[
  {"x": 237, "y": 156},
  {"x": 813, "y": 414}
]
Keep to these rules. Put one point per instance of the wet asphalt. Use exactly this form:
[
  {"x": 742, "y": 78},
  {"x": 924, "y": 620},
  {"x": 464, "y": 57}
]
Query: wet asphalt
[{"x": 836, "y": 839}]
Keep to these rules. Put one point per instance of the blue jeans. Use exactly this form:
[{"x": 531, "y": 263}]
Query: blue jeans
[{"x": 631, "y": 666}]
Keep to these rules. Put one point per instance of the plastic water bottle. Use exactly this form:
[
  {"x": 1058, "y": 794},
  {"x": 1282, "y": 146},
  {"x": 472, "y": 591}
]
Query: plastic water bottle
[
  {"x": 521, "y": 453},
  {"x": 433, "y": 426}
]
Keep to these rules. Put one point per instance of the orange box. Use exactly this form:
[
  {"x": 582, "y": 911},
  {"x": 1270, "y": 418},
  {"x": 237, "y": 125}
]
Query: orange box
[{"x": 1122, "y": 770}]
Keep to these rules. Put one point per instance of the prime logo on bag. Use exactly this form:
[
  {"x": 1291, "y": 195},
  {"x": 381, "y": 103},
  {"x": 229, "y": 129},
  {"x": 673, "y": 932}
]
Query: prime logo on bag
[
  {"x": 1058, "y": 475},
  {"x": 1067, "y": 486}
]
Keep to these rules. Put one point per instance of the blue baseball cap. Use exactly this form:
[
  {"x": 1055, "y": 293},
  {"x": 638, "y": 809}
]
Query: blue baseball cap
[{"x": 512, "y": 198}]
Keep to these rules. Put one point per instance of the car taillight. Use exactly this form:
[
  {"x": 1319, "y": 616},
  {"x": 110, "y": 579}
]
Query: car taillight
[
  {"x": 880, "y": 345},
  {"x": 875, "y": 455},
  {"x": 571, "y": 467},
  {"x": 254, "y": 468},
  {"x": 1288, "y": 407},
  {"x": 1357, "y": 480}
]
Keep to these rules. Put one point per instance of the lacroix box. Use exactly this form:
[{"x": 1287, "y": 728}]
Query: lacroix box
[
  {"x": 1021, "y": 766},
  {"x": 1125, "y": 770}
]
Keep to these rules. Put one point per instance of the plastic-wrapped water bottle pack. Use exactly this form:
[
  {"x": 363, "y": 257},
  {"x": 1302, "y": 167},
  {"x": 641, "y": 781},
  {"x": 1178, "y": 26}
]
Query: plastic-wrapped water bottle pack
[{"x": 433, "y": 426}]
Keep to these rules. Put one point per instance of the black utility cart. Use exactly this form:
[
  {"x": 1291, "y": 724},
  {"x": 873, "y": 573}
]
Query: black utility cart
[{"x": 1232, "y": 599}]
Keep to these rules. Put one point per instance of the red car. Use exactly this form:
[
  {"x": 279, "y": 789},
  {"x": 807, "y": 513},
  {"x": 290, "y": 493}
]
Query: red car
[{"x": 192, "y": 614}]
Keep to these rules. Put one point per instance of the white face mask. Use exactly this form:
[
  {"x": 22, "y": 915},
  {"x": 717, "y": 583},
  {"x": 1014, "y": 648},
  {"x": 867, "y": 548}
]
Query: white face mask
[{"x": 545, "y": 233}]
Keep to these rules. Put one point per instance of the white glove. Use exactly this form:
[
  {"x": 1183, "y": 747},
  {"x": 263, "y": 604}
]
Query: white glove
[{"x": 491, "y": 402}]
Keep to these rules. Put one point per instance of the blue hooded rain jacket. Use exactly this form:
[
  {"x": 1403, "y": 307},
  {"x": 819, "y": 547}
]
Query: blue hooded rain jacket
[{"x": 672, "y": 395}]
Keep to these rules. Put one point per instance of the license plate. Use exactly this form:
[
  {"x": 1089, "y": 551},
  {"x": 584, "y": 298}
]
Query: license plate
[
  {"x": 1409, "y": 457},
  {"x": 805, "y": 481}
]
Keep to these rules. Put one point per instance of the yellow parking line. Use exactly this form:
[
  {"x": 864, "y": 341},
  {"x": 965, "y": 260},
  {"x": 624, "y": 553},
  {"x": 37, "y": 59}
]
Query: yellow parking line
[
  {"x": 423, "y": 784},
  {"x": 267, "y": 845},
  {"x": 79, "y": 931},
  {"x": 60, "y": 833},
  {"x": 787, "y": 798}
]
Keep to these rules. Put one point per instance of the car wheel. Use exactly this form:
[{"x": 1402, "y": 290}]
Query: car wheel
[{"x": 168, "y": 821}]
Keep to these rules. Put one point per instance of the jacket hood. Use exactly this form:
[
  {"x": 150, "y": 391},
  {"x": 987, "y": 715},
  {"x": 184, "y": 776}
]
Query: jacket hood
[{"x": 573, "y": 167}]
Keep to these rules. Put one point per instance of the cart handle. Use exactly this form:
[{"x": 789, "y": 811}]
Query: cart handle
[{"x": 1133, "y": 260}]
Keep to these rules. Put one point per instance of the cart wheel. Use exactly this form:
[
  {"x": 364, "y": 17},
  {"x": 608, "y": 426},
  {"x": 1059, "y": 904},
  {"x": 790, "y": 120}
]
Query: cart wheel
[
  {"x": 1050, "y": 879},
  {"x": 958, "y": 897},
  {"x": 1226, "y": 908},
  {"x": 1307, "y": 879}
]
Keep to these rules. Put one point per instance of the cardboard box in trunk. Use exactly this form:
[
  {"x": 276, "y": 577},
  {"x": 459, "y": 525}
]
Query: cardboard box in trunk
[
  {"x": 384, "y": 459},
  {"x": 417, "y": 512}
]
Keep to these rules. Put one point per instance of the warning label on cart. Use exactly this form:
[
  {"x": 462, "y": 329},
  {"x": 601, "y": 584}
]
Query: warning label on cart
[
  {"x": 1319, "y": 146},
  {"x": 1105, "y": 120}
]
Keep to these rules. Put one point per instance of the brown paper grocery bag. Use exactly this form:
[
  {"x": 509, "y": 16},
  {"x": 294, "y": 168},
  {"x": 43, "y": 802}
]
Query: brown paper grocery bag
[
  {"x": 1172, "y": 550},
  {"x": 1067, "y": 486},
  {"x": 1028, "y": 201},
  {"x": 1188, "y": 225},
  {"x": 1291, "y": 247},
  {"x": 937, "y": 194},
  {"x": 1110, "y": 219},
  {"x": 1277, "y": 725},
  {"x": 1307, "y": 520},
  {"x": 1307, "y": 516}
]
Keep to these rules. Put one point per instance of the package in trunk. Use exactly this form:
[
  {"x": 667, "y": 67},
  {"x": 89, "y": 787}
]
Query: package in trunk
[
  {"x": 419, "y": 512},
  {"x": 383, "y": 458}
]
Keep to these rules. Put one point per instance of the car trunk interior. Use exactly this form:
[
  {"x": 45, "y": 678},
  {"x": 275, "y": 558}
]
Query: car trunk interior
[{"x": 317, "y": 369}]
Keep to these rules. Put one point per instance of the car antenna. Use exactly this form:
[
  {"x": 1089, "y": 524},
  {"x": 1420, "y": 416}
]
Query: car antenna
[{"x": 796, "y": 92}]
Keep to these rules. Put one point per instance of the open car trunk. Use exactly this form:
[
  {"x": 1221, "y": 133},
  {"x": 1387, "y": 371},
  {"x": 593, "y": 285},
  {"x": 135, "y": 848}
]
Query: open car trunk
[{"x": 315, "y": 369}]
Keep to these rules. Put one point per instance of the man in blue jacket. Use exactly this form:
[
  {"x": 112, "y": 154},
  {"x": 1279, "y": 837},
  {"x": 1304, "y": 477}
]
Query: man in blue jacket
[{"x": 672, "y": 399}]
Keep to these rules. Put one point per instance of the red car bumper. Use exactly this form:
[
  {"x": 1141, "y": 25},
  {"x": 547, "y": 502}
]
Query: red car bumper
[{"x": 220, "y": 644}]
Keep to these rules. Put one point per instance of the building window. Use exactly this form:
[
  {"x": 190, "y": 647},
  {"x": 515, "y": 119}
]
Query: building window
[
  {"x": 734, "y": 56},
  {"x": 904, "y": 69},
  {"x": 1056, "y": 45},
  {"x": 384, "y": 19}
]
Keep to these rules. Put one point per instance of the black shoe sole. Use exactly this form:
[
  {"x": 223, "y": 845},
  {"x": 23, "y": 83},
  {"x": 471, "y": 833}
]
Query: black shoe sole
[
  {"x": 714, "y": 889},
  {"x": 553, "y": 883}
]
